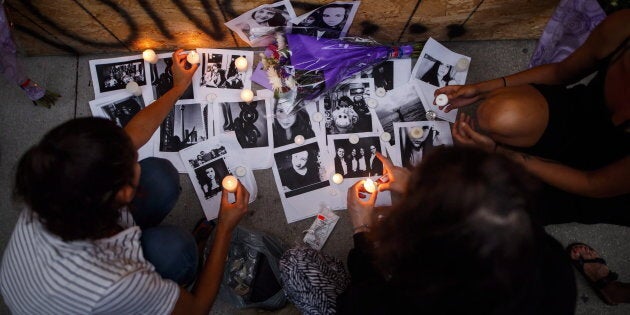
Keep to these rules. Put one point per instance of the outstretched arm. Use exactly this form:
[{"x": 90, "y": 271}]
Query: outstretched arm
[
  {"x": 604, "y": 39},
  {"x": 144, "y": 124},
  {"x": 201, "y": 301}
]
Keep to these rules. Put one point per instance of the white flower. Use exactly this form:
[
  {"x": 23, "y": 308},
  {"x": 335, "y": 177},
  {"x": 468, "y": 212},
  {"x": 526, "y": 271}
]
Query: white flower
[{"x": 274, "y": 80}]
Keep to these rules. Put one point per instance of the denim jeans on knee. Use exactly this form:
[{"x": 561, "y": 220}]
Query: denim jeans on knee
[
  {"x": 173, "y": 252},
  {"x": 157, "y": 192}
]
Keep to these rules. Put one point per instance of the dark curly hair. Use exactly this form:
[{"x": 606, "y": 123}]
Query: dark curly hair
[
  {"x": 462, "y": 233},
  {"x": 71, "y": 177}
]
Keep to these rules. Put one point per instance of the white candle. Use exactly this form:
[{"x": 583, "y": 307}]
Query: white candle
[
  {"x": 193, "y": 57},
  {"x": 354, "y": 139},
  {"x": 241, "y": 64},
  {"x": 241, "y": 171},
  {"x": 337, "y": 178},
  {"x": 211, "y": 97},
  {"x": 133, "y": 88},
  {"x": 247, "y": 95},
  {"x": 416, "y": 132},
  {"x": 441, "y": 100},
  {"x": 369, "y": 185},
  {"x": 299, "y": 139},
  {"x": 229, "y": 183},
  {"x": 149, "y": 56},
  {"x": 386, "y": 136}
]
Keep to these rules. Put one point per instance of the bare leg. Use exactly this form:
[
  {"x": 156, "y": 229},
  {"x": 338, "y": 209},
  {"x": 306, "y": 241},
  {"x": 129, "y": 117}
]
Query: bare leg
[{"x": 515, "y": 116}]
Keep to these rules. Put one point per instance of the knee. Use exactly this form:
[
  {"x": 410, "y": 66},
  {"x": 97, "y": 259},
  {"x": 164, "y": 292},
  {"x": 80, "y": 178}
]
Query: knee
[
  {"x": 172, "y": 251},
  {"x": 161, "y": 176}
]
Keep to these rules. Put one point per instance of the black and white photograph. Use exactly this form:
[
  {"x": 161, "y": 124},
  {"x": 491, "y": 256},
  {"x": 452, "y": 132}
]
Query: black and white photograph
[
  {"x": 329, "y": 21},
  {"x": 109, "y": 75},
  {"x": 358, "y": 160},
  {"x": 249, "y": 124},
  {"x": 437, "y": 65},
  {"x": 417, "y": 139},
  {"x": 389, "y": 74},
  {"x": 217, "y": 72},
  {"x": 287, "y": 124},
  {"x": 161, "y": 77},
  {"x": 427, "y": 92},
  {"x": 258, "y": 26},
  {"x": 207, "y": 163},
  {"x": 300, "y": 170},
  {"x": 205, "y": 156},
  {"x": 248, "y": 121},
  {"x": 182, "y": 127},
  {"x": 346, "y": 110},
  {"x": 402, "y": 104},
  {"x": 210, "y": 175}
]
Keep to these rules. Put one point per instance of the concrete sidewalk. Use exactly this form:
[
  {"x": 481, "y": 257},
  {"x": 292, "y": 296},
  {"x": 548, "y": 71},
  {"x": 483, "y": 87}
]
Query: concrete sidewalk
[{"x": 23, "y": 125}]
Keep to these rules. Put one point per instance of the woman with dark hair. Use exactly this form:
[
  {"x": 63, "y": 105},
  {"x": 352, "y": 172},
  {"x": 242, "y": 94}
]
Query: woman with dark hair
[
  {"x": 88, "y": 240},
  {"x": 439, "y": 75},
  {"x": 478, "y": 252},
  {"x": 262, "y": 23},
  {"x": 287, "y": 125}
]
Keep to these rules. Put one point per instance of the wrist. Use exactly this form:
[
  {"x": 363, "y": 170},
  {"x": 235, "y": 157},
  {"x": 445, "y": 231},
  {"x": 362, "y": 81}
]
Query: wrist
[{"x": 362, "y": 228}]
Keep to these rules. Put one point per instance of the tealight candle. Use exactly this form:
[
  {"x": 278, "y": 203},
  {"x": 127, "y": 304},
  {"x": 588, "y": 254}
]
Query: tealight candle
[
  {"x": 229, "y": 183},
  {"x": 416, "y": 132},
  {"x": 241, "y": 63},
  {"x": 247, "y": 95},
  {"x": 241, "y": 171},
  {"x": 299, "y": 139},
  {"x": 193, "y": 57},
  {"x": 133, "y": 88},
  {"x": 369, "y": 185},
  {"x": 149, "y": 56},
  {"x": 441, "y": 100},
  {"x": 386, "y": 136},
  {"x": 462, "y": 64},
  {"x": 337, "y": 178},
  {"x": 211, "y": 97}
]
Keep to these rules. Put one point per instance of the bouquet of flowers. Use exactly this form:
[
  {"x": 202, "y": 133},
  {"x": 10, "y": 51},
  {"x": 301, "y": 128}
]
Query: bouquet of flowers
[{"x": 311, "y": 66}]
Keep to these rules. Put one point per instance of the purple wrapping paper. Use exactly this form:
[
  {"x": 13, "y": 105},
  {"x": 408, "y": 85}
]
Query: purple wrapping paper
[{"x": 336, "y": 60}]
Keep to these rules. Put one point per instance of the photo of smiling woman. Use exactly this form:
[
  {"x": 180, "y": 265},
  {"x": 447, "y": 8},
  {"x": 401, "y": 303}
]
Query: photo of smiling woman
[
  {"x": 329, "y": 21},
  {"x": 287, "y": 125},
  {"x": 299, "y": 170}
]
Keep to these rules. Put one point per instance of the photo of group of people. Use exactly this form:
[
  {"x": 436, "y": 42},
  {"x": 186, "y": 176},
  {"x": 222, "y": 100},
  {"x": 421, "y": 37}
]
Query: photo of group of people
[
  {"x": 301, "y": 169},
  {"x": 329, "y": 21},
  {"x": 121, "y": 110},
  {"x": 358, "y": 160},
  {"x": 161, "y": 77},
  {"x": 214, "y": 74},
  {"x": 346, "y": 109},
  {"x": 113, "y": 74},
  {"x": 258, "y": 26}
]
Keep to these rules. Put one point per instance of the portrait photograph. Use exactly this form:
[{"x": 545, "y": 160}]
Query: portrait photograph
[
  {"x": 300, "y": 170},
  {"x": 113, "y": 74},
  {"x": 390, "y": 74},
  {"x": 437, "y": 65},
  {"x": 329, "y": 21},
  {"x": 413, "y": 145},
  {"x": 258, "y": 26},
  {"x": 210, "y": 175},
  {"x": 287, "y": 124}
]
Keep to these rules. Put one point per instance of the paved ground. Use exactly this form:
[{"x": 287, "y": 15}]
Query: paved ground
[{"x": 23, "y": 125}]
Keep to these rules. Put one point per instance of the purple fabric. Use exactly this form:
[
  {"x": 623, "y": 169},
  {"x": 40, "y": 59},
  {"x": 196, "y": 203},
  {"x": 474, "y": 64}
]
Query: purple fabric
[
  {"x": 567, "y": 30},
  {"x": 336, "y": 59},
  {"x": 9, "y": 65}
]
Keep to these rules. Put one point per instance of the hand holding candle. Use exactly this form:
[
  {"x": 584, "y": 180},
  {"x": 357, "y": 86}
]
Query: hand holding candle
[
  {"x": 193, "y": 57},
  {"x": 369, "y": 185},
  {"x": 150, "y": 56},
  {"x": 230, "y": 183}
]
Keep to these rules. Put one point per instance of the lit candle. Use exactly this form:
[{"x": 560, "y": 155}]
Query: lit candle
[
  {"x": 247, "y": 95},
  {"x": 337, "y": 178},
  {"x": 241, "y": 63},
  {"x": 369, "y": 185},
  {"x": 149, "y": 56},
  {"x": 299, "y": 139},
  {"x": 193, "y": 57},
  {"x": 416, "y": 132},
  {"x": 133, "y": 88},
  {"x": 229, "y": 183},
  {"x": 441, "y": 100}
]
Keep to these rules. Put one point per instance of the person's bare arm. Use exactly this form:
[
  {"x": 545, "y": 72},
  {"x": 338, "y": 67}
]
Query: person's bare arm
[
  {"x": 607, "y": 36},
  {"x": 201, "y": 301},
  {"x": 144, "y": 124},
  {"x": 608, "y": 181}
]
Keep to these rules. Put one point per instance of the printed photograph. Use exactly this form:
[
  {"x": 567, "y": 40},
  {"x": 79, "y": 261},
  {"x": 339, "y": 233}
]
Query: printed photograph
[
  {"x": 183, "y": 127},
  {"x": 210, "y": 175},
  {"x": 206, "y": 156},
  {"x": 329, "y": 21},
  {"x": 346, "y": 110},
  {"x": 288, "y": 124},
  {"x": 415, "y": 145},
  {"x": 358, "y": 160},
  {"x": 161, "y": 76},
  {"x": 248, "y": 121},
  {"x": 437, "y": 65},
  {"x": 399, "y": 105},
  {"x": 115, "y": 76},
  {"x": 300, "y": 170},
  {"x": 257, "y": 26}
]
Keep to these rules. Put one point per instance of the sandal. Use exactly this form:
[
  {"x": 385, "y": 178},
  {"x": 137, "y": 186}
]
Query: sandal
[
  {"x": 201, "y": 232},
  {"x": 596, "y": 285}
]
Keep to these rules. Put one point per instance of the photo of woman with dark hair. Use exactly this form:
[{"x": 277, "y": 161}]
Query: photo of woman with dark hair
[
  {"x": 262, "y": 22},
  {"x": 439, "y": 75},
  {"x": 329, "y": 21},
  {"x": 287, "y": 125}
]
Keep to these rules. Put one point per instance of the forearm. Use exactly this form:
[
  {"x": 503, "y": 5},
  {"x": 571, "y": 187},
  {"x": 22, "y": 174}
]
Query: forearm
[
  {"x": 609, "y": 181},
  {"x": 143, "y": 125},
  {"x": 212, "y": 272},
  {"x": 545, "y": 74}
]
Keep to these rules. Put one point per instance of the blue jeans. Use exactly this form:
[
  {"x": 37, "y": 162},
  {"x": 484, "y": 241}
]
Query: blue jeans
[{"x": 172, "y": 250}]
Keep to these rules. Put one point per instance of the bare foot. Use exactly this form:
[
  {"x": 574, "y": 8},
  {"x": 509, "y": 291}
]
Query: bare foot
[{"x": 594, "y": 271}]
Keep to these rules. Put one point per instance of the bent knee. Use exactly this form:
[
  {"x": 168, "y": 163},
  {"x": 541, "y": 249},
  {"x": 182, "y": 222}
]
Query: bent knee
[{"x": 516, "y": 116}]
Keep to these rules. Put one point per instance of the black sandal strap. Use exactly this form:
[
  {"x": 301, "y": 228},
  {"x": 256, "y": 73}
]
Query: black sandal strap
[{"x": 610, "y": 277}]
